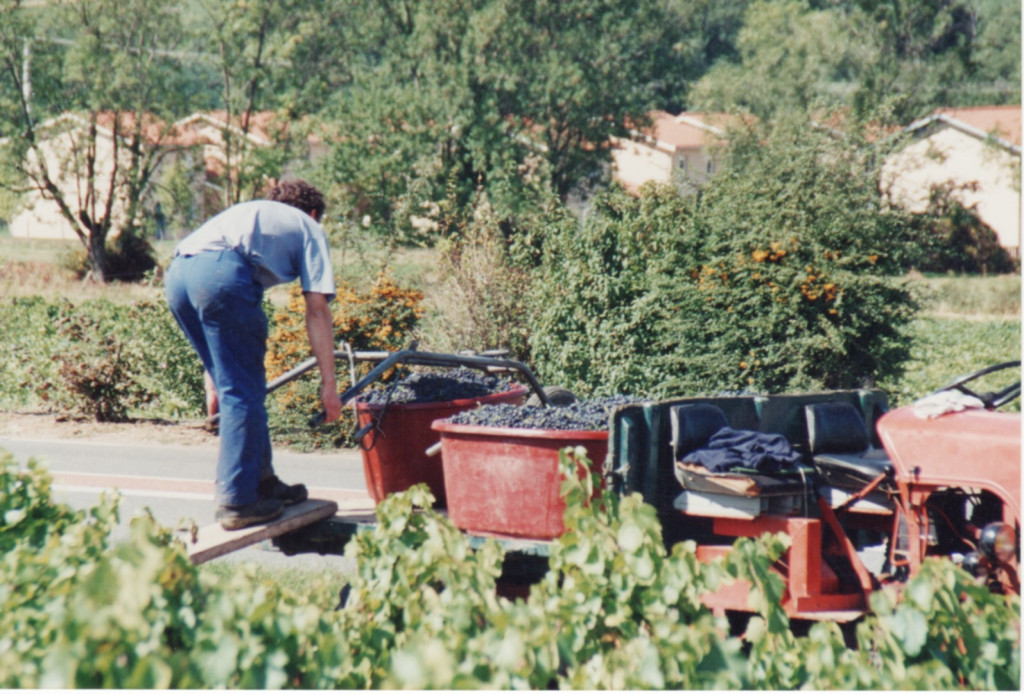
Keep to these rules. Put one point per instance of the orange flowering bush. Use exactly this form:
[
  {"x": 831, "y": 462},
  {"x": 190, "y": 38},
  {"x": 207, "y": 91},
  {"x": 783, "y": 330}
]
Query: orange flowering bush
[
  {"x": 799, "y": 316},
  {"x": 380, "y": 318},
  {"x": 784, "y": 273},
  {"x": 796, "y": 281}
]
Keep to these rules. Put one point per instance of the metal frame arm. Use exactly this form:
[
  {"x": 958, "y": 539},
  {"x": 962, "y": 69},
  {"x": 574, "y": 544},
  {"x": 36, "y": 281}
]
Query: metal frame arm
[{"x": 412, "y": 357}]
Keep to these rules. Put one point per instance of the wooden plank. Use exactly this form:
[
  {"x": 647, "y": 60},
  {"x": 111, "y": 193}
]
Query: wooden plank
[
  {"x": 718, "y": 505},
  {"x": 213, "y": 541}
]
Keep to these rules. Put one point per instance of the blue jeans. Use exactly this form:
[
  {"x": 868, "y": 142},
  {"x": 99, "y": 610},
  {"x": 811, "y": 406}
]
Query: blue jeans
[{"x": 218, "y": 305}]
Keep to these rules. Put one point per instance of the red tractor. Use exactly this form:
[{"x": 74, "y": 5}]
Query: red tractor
[
  {"x": 874, "y": 493},
  {"x": 958, "y": 484}
]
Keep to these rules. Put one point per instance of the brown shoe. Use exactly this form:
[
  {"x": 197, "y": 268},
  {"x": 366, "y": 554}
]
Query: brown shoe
[
  {"x": 289, "y": 494},
  {"x": 238, "y": 517}
]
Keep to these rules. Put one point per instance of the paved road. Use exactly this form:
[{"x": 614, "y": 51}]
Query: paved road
[{"x": 175, "y": 482}]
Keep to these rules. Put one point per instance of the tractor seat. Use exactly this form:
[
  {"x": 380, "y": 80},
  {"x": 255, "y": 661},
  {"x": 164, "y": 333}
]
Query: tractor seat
[
  {"x": 693, "y": 424},
  {"x": 841, "y": 450}
]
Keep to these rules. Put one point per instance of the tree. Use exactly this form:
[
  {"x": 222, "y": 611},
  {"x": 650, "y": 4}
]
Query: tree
[
  {"x": 802, "y": 73},
  {"x": 884, "y": 60},
  {"x": 490, "y": 96},
  {"x": 922, "y": 53},
  {"x": 704, "y": 32},
  {"x": 997, "y": 54},
  {"x": 108, "y": 71},
  {"x": 251, "y": 40}
]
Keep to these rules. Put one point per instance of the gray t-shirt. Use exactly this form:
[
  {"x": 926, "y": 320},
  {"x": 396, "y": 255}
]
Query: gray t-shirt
[{"x": 281, "y": 243}]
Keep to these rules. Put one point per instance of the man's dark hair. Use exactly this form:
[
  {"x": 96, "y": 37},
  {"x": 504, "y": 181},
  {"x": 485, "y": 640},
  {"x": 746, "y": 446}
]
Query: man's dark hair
[{"x": 299, "y": 194}]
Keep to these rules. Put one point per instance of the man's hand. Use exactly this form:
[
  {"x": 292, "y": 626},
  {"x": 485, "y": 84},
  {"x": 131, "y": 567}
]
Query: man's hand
[
  {"x": 331, "y": 401},
  {"x": 320, "y": 330}
]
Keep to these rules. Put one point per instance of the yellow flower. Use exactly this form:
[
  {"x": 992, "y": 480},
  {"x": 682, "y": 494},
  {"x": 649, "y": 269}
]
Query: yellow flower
[{"x": 759, "y": 256}]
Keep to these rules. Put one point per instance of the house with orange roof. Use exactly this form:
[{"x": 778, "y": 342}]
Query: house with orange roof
[
  {"x": 976, "y": 153},
  {"x": 203, "y": 145},
  {"x": 677, "y": 149},
  {"x": 63, "y": 151}
]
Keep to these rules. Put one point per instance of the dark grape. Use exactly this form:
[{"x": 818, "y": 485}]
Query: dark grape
[
  {"x": 585, "y": 415},
  {"x": 426, "y": 386}
]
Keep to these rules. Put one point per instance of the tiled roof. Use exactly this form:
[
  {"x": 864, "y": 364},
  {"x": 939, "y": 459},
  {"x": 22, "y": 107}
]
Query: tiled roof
[
  {"x": 1002, "y": 121},
  {"x": 687, "y": 130},
  {"x": 260, "y": 126},
  {"x": 152, "y": 127}
]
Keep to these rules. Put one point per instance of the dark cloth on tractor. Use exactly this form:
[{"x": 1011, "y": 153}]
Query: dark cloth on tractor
[{"x": 737, "y": 449}]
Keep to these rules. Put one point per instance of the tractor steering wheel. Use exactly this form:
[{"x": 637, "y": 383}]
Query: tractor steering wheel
[{"x": 991, "y": 400}]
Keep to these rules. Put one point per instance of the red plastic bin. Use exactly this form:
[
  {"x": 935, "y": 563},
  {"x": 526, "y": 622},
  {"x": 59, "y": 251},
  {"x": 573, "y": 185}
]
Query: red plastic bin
[
  {"x": 505, "y": 480},
  {"x": 397, "y": 456}
]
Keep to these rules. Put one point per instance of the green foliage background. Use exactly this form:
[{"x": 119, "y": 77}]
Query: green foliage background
[
  {"x": 423, "y": 100},
  {"x": 783, "y": 273},
  {"x": 117, "y": 359},
  {"x": 615, "y": 611}
]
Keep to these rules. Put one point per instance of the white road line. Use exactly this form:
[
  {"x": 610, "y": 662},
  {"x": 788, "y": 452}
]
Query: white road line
[
  {"x": 108, "y": 475},
  {"x": 84, "y": 489},
  {"x": 104, "y": 478}
]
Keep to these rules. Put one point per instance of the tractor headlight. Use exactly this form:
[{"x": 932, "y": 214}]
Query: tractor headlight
[{"x": 998, "y": 542}]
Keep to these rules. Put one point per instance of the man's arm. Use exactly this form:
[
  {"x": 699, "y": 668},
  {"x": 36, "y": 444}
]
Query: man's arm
[{"x": 320, "y": 329}]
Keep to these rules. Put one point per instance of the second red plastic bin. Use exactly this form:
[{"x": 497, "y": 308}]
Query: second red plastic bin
[{"x": 505, "y": 480}]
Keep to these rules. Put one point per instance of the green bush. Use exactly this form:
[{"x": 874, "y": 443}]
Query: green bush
[
  {"x": 98, "y": 359},
  {"x": 616, "y": 610},
  {"x": 596, "y": 302},
  {"x": 957, "y": 240},
  {"x": 93, "y": 376},
  {"x": 162, "y": 361},
  {"x": 780, "y": 275},
  {"x": 28, "y": 339}
]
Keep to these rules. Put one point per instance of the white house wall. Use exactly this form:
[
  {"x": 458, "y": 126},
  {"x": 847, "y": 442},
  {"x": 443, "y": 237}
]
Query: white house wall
[
  {"x": 40, "y": 217},
  {"x": 635, "y": 164},
  {"x": 950, "y": 155}
]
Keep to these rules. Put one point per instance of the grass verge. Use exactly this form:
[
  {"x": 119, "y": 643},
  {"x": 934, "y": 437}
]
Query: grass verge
[{"x": 945, "y": 348}]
